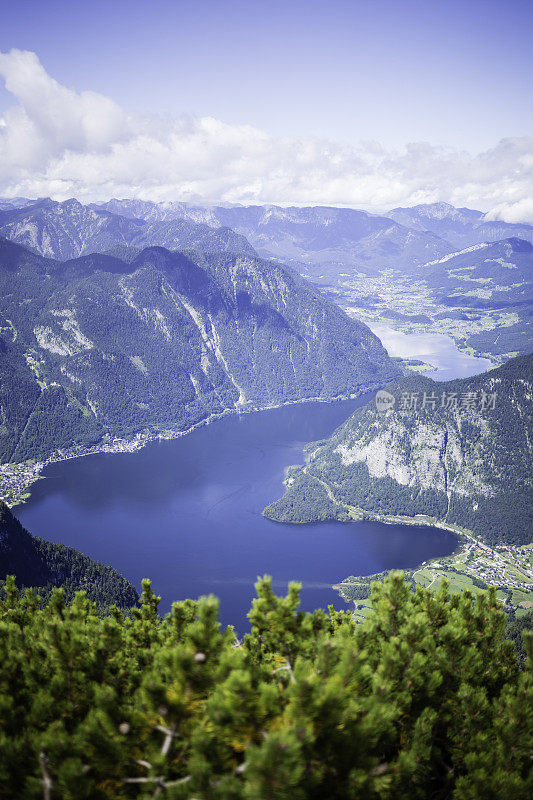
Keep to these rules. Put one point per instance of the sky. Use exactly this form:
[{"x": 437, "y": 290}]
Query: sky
[{"x": 366, "y": 103}]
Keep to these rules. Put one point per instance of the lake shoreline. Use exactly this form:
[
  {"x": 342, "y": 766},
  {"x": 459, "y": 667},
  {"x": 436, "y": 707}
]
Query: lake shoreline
[
  {"x": 23, "y": 475},
  {"x": 187, "y": 513}
]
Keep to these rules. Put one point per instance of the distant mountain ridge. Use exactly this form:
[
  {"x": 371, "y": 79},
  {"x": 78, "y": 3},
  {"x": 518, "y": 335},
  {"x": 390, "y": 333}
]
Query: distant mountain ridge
[
  {"x": 329, "y": 235},
  {"x": 69, "y": 229},
  {"x": 314, "y": 239},
  {"x": 16, "y": 202},
  {"x": 458, "y": 452},
  {"x": 462, "y": 227},
  {"x": 319, "y": 240},
  {"x": 98, "y": 347},
  {"x": 45, "y": 565}
]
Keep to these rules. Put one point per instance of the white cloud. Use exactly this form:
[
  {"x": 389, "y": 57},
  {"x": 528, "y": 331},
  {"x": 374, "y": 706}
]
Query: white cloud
[
  {"x": 61, "y": 143},
  {"x": 519, "y": 211}
]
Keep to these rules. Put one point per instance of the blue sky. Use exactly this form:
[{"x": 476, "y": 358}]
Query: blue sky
[
  {"x": 455, "y": 73},
  {"x": 451, "y": 74}
]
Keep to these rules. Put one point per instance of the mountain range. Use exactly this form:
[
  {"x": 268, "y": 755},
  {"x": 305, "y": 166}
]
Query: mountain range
[
  {"x": 69, "y": 229},
  {"x": 98, "y": 347},
  {"x": 461, "y": 227},
  {"x": 316, "y": 240},
  {"x": 331, "y": 239},
  {"x": 457, "y": 452}
]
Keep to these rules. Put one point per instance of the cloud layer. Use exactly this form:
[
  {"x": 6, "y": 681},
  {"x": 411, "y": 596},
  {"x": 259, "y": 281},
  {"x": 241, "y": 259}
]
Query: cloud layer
[{"x": 58, "y": 142}]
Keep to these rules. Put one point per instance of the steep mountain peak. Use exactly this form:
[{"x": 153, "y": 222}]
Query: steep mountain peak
[
  {"x": 71, "y": 204},
  {"x": 43, "y": 203},
  {"x": 437, "y": 211},
  {"x": 444, "y": 210}
]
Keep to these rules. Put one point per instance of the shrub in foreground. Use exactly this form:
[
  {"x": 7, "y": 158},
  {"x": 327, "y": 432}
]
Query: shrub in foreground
[{"x": 422, "y": 700}]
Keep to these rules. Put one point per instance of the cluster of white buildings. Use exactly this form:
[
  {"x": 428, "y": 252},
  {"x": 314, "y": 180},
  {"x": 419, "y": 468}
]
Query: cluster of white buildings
[{"x": 492, "y": 566}]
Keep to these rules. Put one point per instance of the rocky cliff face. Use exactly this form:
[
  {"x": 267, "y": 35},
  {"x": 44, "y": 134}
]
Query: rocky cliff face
[
  {"x": 459, "y": 452},
  {"x": 97, "y": 346}
]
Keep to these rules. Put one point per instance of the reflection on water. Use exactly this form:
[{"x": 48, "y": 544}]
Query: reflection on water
[{"x": 436, "y": 349}]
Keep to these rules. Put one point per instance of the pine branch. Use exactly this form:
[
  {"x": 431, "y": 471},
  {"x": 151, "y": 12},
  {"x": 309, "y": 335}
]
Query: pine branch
[
  {"x": 169, "y": 735},
  {"x": 47, "y": 782},
  {"x": 288, "y": 667}
]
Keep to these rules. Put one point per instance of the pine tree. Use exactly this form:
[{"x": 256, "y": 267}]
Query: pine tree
[{"x": 424, "y": 699}]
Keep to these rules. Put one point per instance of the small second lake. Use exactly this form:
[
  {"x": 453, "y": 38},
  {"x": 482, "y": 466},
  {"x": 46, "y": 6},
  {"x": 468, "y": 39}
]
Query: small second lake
[{"x": 436, "y": 349}]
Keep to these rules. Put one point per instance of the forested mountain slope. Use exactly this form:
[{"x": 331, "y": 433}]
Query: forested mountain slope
[
  {"x": 467, "y": 463},
  {"x": 44, "y": 565},
  {"x": 494, "y": 275},
  {"x": 96, "y": 346}
]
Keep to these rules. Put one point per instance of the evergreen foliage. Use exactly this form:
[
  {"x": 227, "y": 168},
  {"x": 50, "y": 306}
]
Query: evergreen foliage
[
  {"x": 422, "y": 700},
  {"x": 44, "y": 565},
  {"x": 515, "y": 632}
]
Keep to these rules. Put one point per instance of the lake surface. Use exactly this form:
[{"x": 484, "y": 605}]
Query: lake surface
[
  {"x": 187, "y": 514},
  {"x": 436, "y": 349}
]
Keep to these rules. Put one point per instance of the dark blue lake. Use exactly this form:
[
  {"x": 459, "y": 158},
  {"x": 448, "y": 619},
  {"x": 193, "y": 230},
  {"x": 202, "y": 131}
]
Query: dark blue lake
[{"x": 187, "y": 514}]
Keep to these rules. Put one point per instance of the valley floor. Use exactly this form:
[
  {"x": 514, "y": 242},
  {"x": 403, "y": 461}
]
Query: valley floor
[{"x": 496, "y": 334}]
